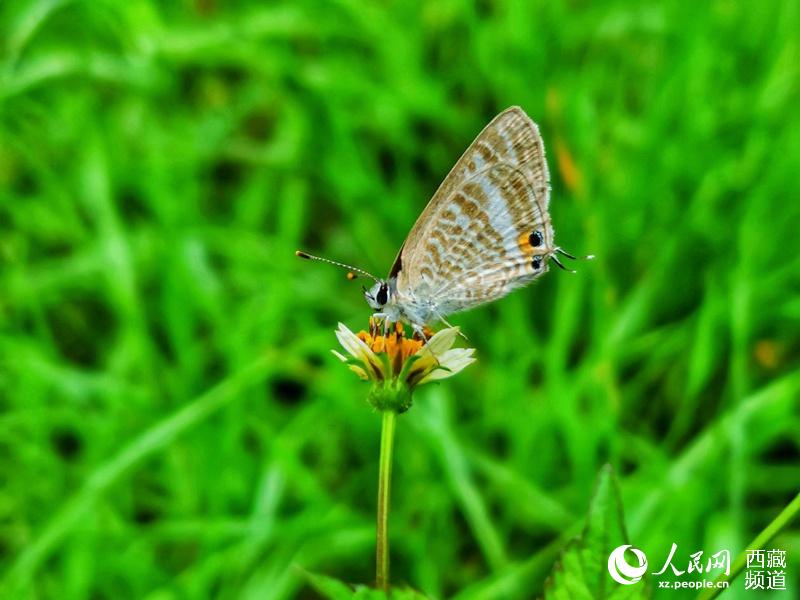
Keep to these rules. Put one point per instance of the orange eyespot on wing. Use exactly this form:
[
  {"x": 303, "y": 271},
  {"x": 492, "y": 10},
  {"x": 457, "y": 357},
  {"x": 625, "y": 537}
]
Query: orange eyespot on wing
[
  {"x": 524, "y": 243},
  {"x": 528, "y": 242}
]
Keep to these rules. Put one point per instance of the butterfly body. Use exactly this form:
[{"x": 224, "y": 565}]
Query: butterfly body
[
  {"x": 405, "y": 307},
  {"x": 485, "y": 232}
]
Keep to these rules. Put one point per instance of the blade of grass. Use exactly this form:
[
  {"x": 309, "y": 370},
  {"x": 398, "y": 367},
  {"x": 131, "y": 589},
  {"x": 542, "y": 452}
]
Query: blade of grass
[
  {"x": 105, "y": 475},
  {"x": 761, "y": 540}
]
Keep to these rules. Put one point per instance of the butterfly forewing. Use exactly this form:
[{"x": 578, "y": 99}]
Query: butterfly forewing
[{"x": 473, "y": 243}]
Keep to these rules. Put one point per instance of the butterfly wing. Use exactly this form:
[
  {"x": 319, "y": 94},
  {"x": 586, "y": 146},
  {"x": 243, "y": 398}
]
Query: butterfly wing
[{"x": 477, "y": 239}]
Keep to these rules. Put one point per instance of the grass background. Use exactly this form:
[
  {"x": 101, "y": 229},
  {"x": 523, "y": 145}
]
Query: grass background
[{"x": 172, "y": 424}]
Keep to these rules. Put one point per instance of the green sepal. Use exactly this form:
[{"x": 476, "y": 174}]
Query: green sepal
[{"x": 390, "y": 394}]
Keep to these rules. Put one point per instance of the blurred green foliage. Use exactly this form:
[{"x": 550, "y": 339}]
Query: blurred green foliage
[{"x": 172, "y": 424}]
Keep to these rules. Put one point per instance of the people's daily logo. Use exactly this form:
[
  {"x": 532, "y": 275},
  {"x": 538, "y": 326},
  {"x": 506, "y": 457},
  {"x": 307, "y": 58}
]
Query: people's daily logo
[
  {"x": 765, "y": 570},
  {"x": 621, "y": 570}
]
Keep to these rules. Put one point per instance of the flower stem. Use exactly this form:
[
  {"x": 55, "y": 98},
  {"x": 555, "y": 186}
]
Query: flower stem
[
  {"x": 384, "y": 488},
  {"x": 761, "y": 540}
]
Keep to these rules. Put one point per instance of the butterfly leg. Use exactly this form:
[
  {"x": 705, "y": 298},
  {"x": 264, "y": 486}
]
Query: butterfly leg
[
  {"x": 445, "y": 321},
  {"x": 385, "y": 319},
  {"x": 420, "y": 331}
]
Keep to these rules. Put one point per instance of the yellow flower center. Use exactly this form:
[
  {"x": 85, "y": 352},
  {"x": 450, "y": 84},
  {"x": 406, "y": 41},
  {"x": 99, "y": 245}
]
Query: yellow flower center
[{"x": 393, "y": 343}]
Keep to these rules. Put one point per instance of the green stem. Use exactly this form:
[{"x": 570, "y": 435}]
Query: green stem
[
  {"x": 761, "y": 540},
  {"x": 384, "y": 488}
]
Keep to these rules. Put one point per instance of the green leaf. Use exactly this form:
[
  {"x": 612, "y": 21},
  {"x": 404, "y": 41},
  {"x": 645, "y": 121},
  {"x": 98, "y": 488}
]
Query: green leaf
[
  {"x": 582, "y": 572},
  {"x": 333, "y": 589},
  {"x": 330, "y": 588},
  {"x": 365, "y": 593}
]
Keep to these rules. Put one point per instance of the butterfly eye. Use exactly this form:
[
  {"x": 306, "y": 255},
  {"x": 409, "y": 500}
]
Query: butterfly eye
[
  {"x": 382, "y": 295},
  {"x": 536, "y": 262},
  {"x": 535, "y": 239}
]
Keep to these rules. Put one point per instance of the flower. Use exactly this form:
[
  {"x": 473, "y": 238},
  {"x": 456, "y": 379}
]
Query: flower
[{"x": 396, "y": 364}]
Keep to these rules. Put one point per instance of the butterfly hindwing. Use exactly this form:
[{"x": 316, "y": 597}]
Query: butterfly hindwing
[{"x": 481, "y": 233}]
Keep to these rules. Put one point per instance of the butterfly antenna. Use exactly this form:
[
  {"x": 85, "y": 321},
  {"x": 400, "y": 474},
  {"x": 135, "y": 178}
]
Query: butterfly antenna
[{"x": 352, "y": 270}]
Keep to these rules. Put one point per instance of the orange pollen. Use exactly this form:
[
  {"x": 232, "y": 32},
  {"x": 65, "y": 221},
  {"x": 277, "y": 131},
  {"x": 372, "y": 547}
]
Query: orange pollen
[{"x": 395, "y": 343}]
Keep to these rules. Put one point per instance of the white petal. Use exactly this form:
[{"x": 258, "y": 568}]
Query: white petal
[
  {"x": 348, "y": 340},
  {"x": 439, "y": 374},
  {"x": 358, "y": 371},
  {"x": 362, "y": 352},
  {"x": 460, "y": 362},
  {"x": 455, "y": 354},
  {"x": 440, "y": 342},
  {"x": 339, "y": 355},
  {"x": 456, "y": 360},
  {"x": 354, "y": 345}
]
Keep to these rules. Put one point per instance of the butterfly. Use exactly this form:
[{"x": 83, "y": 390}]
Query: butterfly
[{"x": 486, "y": 231}]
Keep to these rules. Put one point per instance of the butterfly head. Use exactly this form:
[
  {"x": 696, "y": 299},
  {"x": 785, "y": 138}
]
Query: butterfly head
[{"x": 378, "y": 295}]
